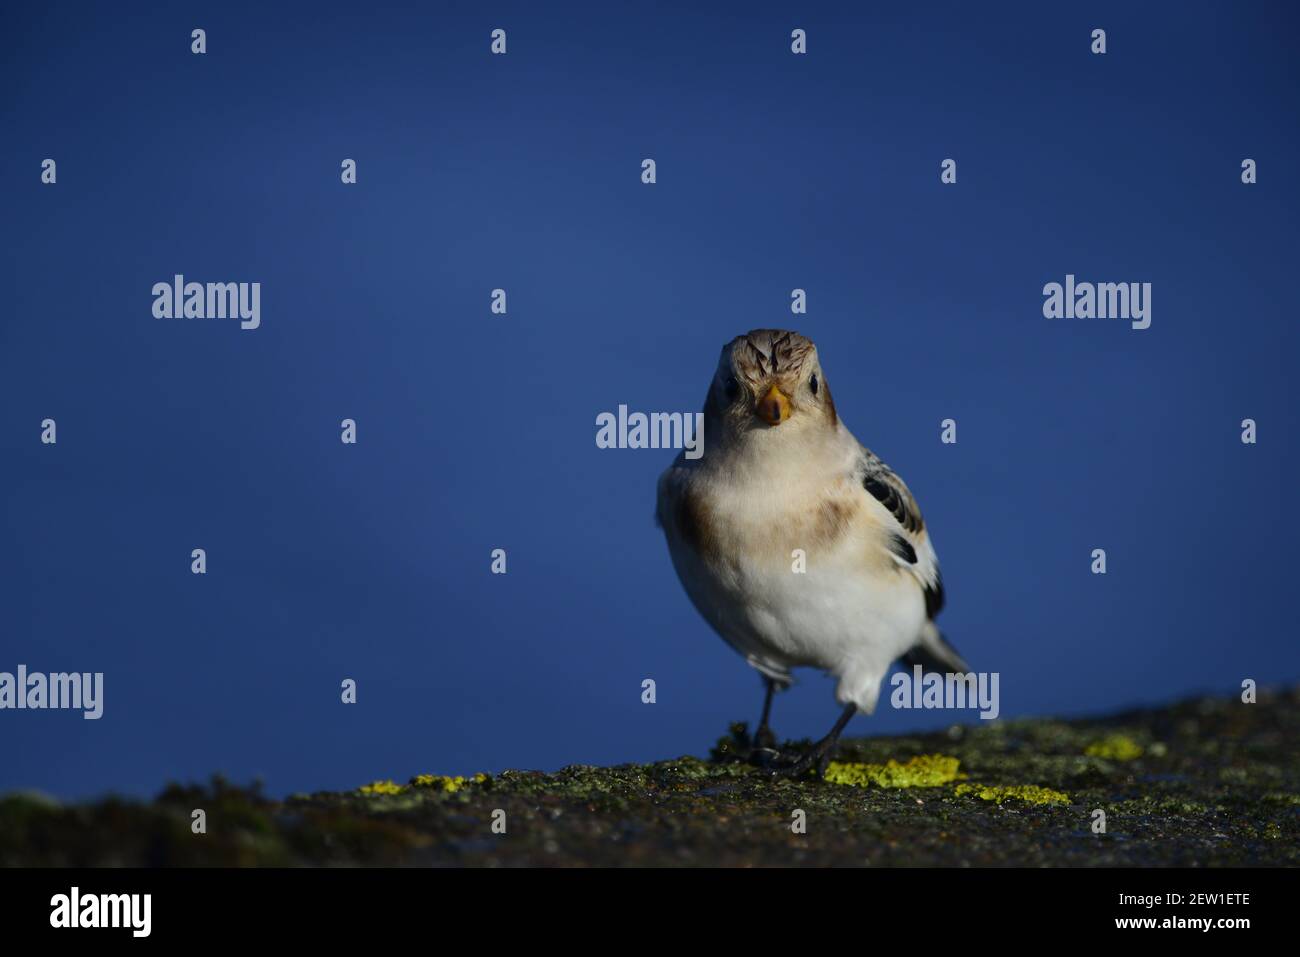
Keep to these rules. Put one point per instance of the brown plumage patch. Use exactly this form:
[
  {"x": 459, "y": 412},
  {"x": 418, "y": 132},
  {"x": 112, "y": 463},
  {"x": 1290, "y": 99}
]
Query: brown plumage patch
[
  {"x": 829, "y": 403},
  {"x": 830, "y": 520},
  {"x": 695, "y": 525},
  {"x": 763, "y": 355}
]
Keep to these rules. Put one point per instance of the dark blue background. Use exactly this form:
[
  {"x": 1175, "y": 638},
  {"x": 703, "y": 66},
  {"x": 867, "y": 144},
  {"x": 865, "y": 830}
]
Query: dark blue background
[{"x": 477, "y": 431}]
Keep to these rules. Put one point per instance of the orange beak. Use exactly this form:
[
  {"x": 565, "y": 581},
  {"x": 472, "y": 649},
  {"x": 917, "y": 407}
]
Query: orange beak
[{"x": 774, "y": 408}]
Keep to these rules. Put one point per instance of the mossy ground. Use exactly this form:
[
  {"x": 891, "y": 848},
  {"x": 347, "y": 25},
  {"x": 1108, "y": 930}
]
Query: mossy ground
[{"x": 1203, "y": 782}]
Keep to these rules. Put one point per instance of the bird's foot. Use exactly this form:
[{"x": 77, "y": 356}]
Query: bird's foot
[
  {"x": 818, "y": 756},
  {"x": 764, "y": 752},
  {"x": 765, "y": 758}
]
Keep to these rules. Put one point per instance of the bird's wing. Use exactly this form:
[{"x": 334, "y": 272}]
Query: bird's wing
[
  {"x": 909, "y": 542},
  {"x": 911, "y": 548}
]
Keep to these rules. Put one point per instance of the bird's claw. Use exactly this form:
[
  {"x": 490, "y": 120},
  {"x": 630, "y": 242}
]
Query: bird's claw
[{"x": 816, "y": 757}]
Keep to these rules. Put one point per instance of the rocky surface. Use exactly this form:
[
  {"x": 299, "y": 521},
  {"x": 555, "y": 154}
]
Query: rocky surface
[{"x": 1205, "y": 782}]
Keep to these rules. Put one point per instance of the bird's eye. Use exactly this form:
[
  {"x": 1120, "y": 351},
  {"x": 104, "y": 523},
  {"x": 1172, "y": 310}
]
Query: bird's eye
[
  {"x": 732, "y": 388},
  {"x": 812, "y": 384}
]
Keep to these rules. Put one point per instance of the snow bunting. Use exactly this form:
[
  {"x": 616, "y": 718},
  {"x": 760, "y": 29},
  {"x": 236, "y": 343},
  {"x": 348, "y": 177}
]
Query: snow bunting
[{"x": 781, "y": 477}]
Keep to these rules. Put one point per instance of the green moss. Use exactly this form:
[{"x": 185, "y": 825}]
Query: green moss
[
  {"x": 1029, "y": 793},
  {"x": 735, "y": 745},
  {"x": 1282, "y": 797},
  {"x": 1163, "y": 805},
  {"x": 925, "y": 771},
  {"x": 1114, "y": 747}
]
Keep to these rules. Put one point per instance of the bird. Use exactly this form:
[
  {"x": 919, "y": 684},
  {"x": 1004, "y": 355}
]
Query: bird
[{"x": 781, "y": 476}]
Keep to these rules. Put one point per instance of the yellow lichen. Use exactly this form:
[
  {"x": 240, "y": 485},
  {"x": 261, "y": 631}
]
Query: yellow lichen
[
  {"x": 1115, "y": 747},
  {"x": 445, "y": 783},
  {"x": 926, "y": 771},
  {"x": 442, "y": 783},
  {"x": 1029, "y": 793},
  {"x": 381, "y": 787}
]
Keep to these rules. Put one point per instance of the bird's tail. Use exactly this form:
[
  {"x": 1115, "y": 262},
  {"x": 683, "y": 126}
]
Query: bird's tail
[{"x": 934, "y": 653}]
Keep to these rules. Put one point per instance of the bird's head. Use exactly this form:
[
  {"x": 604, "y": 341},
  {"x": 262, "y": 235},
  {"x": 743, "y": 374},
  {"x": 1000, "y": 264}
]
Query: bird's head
[{"x": 767, "y": 380}]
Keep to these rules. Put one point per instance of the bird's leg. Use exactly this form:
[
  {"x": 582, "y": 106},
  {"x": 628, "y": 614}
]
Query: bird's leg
[
  {"x": 764, "y": 740},
  {"x": 819, "y": 754},
  {"x": 763, "y": 737}
]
